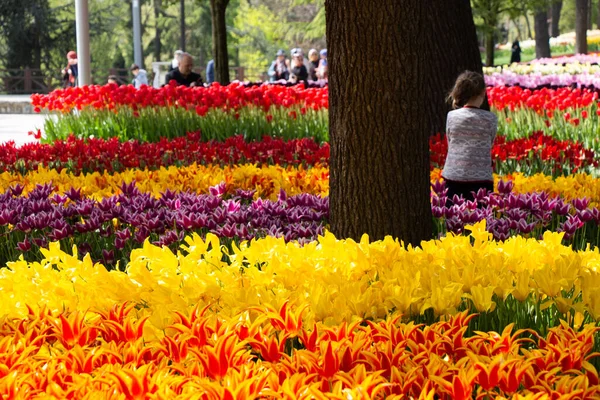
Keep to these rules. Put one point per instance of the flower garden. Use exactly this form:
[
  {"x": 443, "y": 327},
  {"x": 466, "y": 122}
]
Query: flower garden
[{"x": 173, "y": 244}]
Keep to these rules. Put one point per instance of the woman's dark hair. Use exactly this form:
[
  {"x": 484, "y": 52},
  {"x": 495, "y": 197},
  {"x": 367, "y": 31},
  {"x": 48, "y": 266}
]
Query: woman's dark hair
[{"x": 468, "y": 85}]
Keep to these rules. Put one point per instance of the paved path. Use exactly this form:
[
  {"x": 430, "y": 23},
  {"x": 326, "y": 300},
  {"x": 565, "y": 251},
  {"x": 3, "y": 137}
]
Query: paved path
[{"x": 16, "y": 126}]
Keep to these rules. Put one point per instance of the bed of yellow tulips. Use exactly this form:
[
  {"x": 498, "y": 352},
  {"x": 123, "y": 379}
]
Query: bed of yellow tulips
[
  {"x": 334, "y": 319},
  {"x": 266, "y": 180},
  {"x": 523, "y": 281}
]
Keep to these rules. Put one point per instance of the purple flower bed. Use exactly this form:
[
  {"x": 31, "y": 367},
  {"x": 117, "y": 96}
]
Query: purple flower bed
[
  {"x": 110, "y": 228},
  {"x": 508, "y": 214}
]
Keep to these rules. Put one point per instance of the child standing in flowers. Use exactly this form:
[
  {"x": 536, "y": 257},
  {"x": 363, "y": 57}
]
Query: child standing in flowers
[{"x": 470, "y": 132}]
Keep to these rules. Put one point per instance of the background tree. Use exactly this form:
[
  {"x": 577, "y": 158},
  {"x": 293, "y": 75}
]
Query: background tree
[
  {"x": 555, "y": 15},
  {"x": 489, "y": 11},
  {"x": 581, "y": 24},
  {"x": 219, "y": 35},
  {"x": 379, "y": 181},
  {"x": 542, "y": 30},
  {"x": 452, "y": 23}
]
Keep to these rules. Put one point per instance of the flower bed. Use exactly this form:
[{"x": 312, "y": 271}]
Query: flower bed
[
  {"x": 220, "y": 112},
  {"x": 536, "y": 154},
  {"x": 275, "y": 356}
]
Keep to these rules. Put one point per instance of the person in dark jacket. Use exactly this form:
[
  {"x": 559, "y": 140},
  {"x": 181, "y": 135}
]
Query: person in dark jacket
[
  {"x": 515, "y": 57},
  {"x": 299, "y": 71},
  {"x": 313, "y": 64},
  {"x": 183, "y": 74}
]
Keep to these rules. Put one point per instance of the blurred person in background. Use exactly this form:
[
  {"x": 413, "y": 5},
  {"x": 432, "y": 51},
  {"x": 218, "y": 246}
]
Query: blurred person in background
[
  {"x": 299, "y": 73},
  {"x": 71, "y": 71},
  {"x": 113, "y": 79},
  {"x": 210, "y": 72},
  {"x": 140, "y": 76},
  {"x": 313, "y": 64},
  {"x": 279, "y": 69},
  {"x": 175, "y": 60},
  {"x": 322, "y": 71},
  {"x": 183, "y": 74}
]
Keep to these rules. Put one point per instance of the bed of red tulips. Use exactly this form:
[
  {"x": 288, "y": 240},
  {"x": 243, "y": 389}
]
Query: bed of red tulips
[
  {"x": 268, "y": 353},
  {"x": 200, "y": 99},
  {"x": 89, "y": 155},
  {"x": 542, "y": 100},
  {"x": 537, "y": 153}
]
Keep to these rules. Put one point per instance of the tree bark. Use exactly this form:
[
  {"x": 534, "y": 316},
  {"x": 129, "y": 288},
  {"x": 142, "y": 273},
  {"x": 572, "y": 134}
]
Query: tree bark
[
  {"x": 556, "y": 9},
  {"x": 379, "y": 166},
  {"x": 489, "y": 48},
  {"x": 458, "y": 50},
  {"x": 542, "y": 37},
  {"x": 157, "y": 30},
  {"x": 219, "y": 32},
  {"x": 581, "y": 18}
]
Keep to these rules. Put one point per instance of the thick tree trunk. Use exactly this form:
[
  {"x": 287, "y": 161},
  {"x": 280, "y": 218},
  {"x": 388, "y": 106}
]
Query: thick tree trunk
[
  {"x": 379, "y": 180},
  {"x": 219, "y": 31},
  {"x": 542, "y": 37},
  {"x": 581, "y": 17},
  {"x": 458, "y": 50},
  {"x": 489, "y": 48},
  {"x": 556, "y": 9},
  {"x": 157, "y": 30}
]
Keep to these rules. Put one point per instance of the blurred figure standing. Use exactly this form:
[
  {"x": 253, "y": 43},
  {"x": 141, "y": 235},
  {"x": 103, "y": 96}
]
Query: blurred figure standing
[
  {"x": 515, "y": 56},
  {"x": 322, "y": 71},
  {"x": 313, "y": 64},
  {"x": 210, "y": 72},
  {"x": 140, "y": 76},
  {"x": 183, "y": 74},
  {"x": 71, "y": 71},
  {"x": 175, "y": 60},
  {"x": 279, "y": 69}
]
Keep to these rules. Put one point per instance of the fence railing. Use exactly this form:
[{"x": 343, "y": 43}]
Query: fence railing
[{"x": 30, "y": 80}]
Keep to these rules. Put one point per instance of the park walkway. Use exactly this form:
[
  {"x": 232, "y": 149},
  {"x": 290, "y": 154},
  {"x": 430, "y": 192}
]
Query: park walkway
[
  {"x": 15, "y": 127},
  {"x": 17, "y": 118}
]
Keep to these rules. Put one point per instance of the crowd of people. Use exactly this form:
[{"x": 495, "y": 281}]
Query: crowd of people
[
  {"x": 299, "y": 70},
  {"x": 282, "y": 70}
]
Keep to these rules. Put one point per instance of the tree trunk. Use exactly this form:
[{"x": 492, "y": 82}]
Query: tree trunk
[
  {"x": 458, "y": 50},
  {"x": 489, "y": 48},
  {"x": 524, "y": 9},
  {"x": 542, "y": 38},
  {"x": 379, "y": 179},
  {"x": 157, "y": 30},
  {"x": 219, "y": 31},
  {"x": 556, "y": 9},
  {"x": 182, "y": 24},
  {"x": 581, "y": 18}
]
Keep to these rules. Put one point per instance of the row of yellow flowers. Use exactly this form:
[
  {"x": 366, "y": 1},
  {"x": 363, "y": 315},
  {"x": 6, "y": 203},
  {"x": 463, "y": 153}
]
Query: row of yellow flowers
[
  {"x": 267, "y": 180},
  {"x": 102, "y": 355},
  {"x": 339, "y": 280}
]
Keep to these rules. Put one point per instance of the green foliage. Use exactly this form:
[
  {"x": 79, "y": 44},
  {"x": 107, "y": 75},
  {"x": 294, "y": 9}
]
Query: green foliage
[{"x": 154, "y": 124}]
